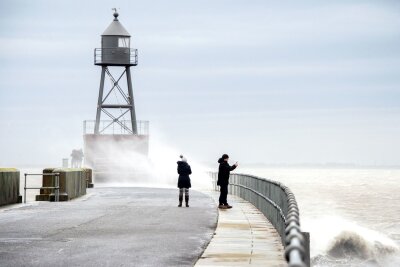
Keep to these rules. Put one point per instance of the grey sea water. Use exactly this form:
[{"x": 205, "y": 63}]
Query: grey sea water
[{"x": 353, "y": 215}]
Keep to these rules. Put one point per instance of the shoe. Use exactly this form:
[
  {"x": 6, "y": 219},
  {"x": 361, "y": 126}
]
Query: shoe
[
  {"x": 187, "y": 201},
  {"x": 222, "y": 206},
  {"x": 228, "y": 206},
  {"x": 180, "y": 201}
]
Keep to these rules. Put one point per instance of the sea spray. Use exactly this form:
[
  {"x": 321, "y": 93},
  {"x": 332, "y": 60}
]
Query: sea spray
[
  {"x": 339, "y": 243},
  {"x": 125, "y": 167},
  {"x": 350, "y": 244}
]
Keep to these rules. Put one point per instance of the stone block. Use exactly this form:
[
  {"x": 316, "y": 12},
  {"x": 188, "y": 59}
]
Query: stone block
[
  {"x": 9, "y": 186},
  {"x": 72, "y": 182},
  {"x": 89, "y": 177}
]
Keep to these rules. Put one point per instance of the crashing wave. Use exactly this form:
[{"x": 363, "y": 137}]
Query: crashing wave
[
  {"x": 327, "y": 261},
  {"x": 352, "y": 245},
  {"x": 351, "y": 248}
]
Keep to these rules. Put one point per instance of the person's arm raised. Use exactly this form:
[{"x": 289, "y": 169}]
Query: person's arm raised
[{"x": 231, "y": 168}]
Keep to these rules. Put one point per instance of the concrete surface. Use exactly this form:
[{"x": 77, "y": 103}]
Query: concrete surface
[
  {"x": 108, "y": 227},
  {"x": 72, "y": 182},
  {"x": 9, "y": 186},
  {"x": 243, "y": 237}
]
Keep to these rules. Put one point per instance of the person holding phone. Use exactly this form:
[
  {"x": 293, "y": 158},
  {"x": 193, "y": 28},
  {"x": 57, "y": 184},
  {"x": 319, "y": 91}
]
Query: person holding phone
[{"x": 223, "y": 180}]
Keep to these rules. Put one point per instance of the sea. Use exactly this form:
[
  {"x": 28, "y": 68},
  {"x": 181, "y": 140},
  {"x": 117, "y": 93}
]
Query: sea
[{"x": 352, "y": 214}]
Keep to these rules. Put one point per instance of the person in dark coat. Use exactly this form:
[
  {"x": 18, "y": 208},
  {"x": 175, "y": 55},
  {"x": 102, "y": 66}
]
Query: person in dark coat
[
  {"x": 184, "y": 184},
  {"x": 223, "y": 180}
]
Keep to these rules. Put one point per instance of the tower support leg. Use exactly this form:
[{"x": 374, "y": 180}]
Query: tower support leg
[
  {"x": 100, "y": 101},
  {"x": 131, "y": 102}
]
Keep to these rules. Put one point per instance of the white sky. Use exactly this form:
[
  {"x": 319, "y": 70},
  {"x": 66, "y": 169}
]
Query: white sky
[{"x": 264, "y": 81}]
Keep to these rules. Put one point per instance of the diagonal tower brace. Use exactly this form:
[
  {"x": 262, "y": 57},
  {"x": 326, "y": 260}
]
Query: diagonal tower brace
[{"x": 128, "y": 106}]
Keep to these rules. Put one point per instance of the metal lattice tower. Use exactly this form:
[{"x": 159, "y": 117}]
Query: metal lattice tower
[{"x": 115, "y": 51}]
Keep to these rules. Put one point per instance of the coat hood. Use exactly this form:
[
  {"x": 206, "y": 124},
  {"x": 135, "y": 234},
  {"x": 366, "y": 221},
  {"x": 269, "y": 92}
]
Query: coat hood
[
  {"x": 182, "y": 163},
  {"x": 220, "y": 160}
]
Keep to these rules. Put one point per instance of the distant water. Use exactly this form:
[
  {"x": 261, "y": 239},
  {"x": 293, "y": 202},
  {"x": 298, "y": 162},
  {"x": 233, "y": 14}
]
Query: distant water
[{"x": 353, "y": 215}]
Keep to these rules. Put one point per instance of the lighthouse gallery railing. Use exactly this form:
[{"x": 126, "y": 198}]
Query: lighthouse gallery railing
[
  {"x": 277, "y": 202},
  {"x": 116, "y": 55}
]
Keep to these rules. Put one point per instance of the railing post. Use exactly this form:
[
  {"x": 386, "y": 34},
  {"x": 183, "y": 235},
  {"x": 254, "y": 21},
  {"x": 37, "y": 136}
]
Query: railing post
[
  {"x": 57, "y": 185},
  {"x": 306, "y": 236},
  {"x": 25, "y": 189}
]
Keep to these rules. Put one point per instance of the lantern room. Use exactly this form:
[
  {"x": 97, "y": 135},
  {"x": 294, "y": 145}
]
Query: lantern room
[{"x": 115, "y": 46}]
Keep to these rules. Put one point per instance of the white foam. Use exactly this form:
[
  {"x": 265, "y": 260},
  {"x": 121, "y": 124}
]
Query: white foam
[
  {"x": 127, "y": 168},
  {"x": 328, "y": 232}
]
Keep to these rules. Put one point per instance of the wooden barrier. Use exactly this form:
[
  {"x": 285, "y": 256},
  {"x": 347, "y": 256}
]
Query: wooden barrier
[
  {"x": 73, "y": 183},
  {"x": 89, "y": 177},
  {"x": 9, "y": 186}
]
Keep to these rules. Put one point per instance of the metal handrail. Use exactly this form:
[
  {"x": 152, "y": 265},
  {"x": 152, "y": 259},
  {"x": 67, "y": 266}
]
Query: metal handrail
[
  {"x": 107, "y": 51},
  {"x": 56, "y": 186},
  {"x": 265, "y": 198},
  {"x": 142, "y": 127},
  {"x": 274, "y": 192}
]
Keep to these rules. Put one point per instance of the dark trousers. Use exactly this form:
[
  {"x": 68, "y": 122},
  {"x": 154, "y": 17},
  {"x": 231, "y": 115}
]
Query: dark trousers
[{"x": 224, "y": 194}]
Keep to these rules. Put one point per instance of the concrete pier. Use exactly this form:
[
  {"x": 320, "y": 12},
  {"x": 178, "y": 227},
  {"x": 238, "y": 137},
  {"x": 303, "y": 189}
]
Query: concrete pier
[
  {"x": 136, "y": 227},
  {"x": 108, "y": 227}
]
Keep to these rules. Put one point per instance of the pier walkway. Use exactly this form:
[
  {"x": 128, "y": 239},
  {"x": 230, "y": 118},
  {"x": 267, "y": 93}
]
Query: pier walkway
[
  {"x": 244, "y": 237},
  {"x": 136, "y": 227}
]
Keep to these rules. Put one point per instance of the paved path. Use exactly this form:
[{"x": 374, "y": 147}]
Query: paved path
[
  {"x": 109, "y": 227},
  {"x": 243, "y": 237},
  {"x": 137, "y": 227}
]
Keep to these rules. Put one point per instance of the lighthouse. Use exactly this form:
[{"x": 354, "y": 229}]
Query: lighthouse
[
  {"x": 115, "y": 141},
  {"x": 115, "y": 51}
]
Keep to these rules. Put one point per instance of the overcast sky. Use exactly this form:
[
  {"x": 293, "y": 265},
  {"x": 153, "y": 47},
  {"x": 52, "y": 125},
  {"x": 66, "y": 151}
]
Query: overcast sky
[{"x": 265, "y": 81}]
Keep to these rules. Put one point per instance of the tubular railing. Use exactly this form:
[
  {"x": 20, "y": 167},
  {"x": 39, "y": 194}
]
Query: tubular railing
[
  {"x": 114, "y": 128},
  {"x": 116, "y": 55},
  {"x": 56, "y": 186},
  {"x": 277, "y": 202}
]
